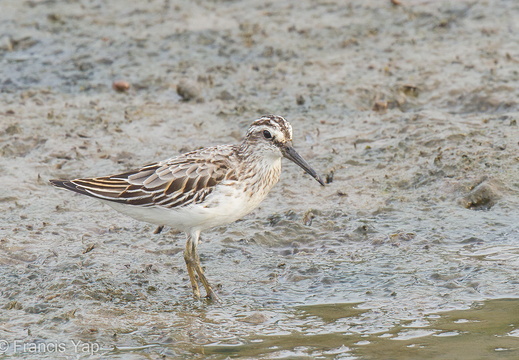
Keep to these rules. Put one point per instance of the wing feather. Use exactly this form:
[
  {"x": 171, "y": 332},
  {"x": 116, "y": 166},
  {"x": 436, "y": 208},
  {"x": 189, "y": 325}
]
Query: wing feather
[{"x": 173, "y": 183}]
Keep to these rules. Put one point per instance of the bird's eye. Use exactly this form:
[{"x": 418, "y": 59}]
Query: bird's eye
[{"x": 267, "y": 134}]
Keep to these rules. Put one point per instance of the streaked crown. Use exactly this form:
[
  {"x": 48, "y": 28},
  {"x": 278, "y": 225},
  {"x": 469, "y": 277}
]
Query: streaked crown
[{"x": 277, "y": 126}]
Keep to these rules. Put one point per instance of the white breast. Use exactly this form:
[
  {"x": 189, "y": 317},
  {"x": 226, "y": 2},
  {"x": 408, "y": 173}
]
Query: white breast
[{"x": 230, "y": 201}]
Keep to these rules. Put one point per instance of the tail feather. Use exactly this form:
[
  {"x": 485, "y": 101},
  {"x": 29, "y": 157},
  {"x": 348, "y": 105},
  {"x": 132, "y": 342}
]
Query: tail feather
[
  {"x": 104, "y": 194},
  {"x": 69, "y": 185}
]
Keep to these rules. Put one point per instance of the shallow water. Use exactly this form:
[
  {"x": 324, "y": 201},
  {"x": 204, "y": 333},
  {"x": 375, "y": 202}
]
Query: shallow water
[
  {"x": 336, "y": 331},
  {"x": 411, "y": 110}
]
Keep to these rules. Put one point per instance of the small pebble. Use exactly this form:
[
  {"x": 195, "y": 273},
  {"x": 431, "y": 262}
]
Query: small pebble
[
  {"x": 329, "y": 177},
  {"x": 380, "y": 106},
  {"x": 121, "y": 86},
  {"x": 225, "y": 95},
  {"x": 308, "y": 217},
  {"x": 482, "y": 197},
  {"x": 189, "y": 90},
  {"x": 256, "y": 318}
]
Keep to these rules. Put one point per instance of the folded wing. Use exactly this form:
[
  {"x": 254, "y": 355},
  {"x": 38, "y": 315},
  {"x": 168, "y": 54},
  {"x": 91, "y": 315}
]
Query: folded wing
[{"x": 178, "y": 182}]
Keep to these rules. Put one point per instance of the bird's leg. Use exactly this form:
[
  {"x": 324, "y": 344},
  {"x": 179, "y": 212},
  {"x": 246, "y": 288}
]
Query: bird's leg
[
  {"x": 159, "y": 229},
  {"x": 189, "y": 255},
  {"x": 193, "y": 263},
  {"x": 208, "y": 289}
]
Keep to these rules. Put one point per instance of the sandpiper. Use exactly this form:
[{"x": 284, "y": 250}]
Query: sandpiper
[{"x": 201, "y": 189}]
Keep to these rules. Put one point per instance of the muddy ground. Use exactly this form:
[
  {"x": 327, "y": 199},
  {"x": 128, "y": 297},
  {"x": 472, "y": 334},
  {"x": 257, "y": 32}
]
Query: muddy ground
[{"x": 409, "y": 108}]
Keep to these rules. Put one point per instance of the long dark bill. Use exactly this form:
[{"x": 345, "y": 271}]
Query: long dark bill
[{"x": 290, "y": 153}]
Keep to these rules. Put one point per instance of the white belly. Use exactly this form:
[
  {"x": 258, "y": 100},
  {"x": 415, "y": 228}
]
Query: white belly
[
  {"x": 229, "y": 201},
  {"x": 224, "y": 205}
]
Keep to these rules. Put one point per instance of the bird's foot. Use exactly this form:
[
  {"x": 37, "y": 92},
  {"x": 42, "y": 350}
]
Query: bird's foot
[
  {"x": 196, "y": 293},
  {"x": 211, "y": 296}
]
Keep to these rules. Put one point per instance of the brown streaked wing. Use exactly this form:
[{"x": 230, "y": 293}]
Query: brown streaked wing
[
  {"x": 190, "y": 182},
  {"x": 173, "y": 183}
]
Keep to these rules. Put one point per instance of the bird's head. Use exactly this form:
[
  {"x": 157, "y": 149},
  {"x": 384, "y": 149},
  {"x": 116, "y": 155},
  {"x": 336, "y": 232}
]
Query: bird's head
[{"x": 272, "y": 134}]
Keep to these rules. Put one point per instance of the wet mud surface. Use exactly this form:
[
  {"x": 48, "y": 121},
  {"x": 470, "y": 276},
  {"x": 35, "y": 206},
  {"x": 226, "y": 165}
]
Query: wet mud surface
[{"x": 410, "y": 111}]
